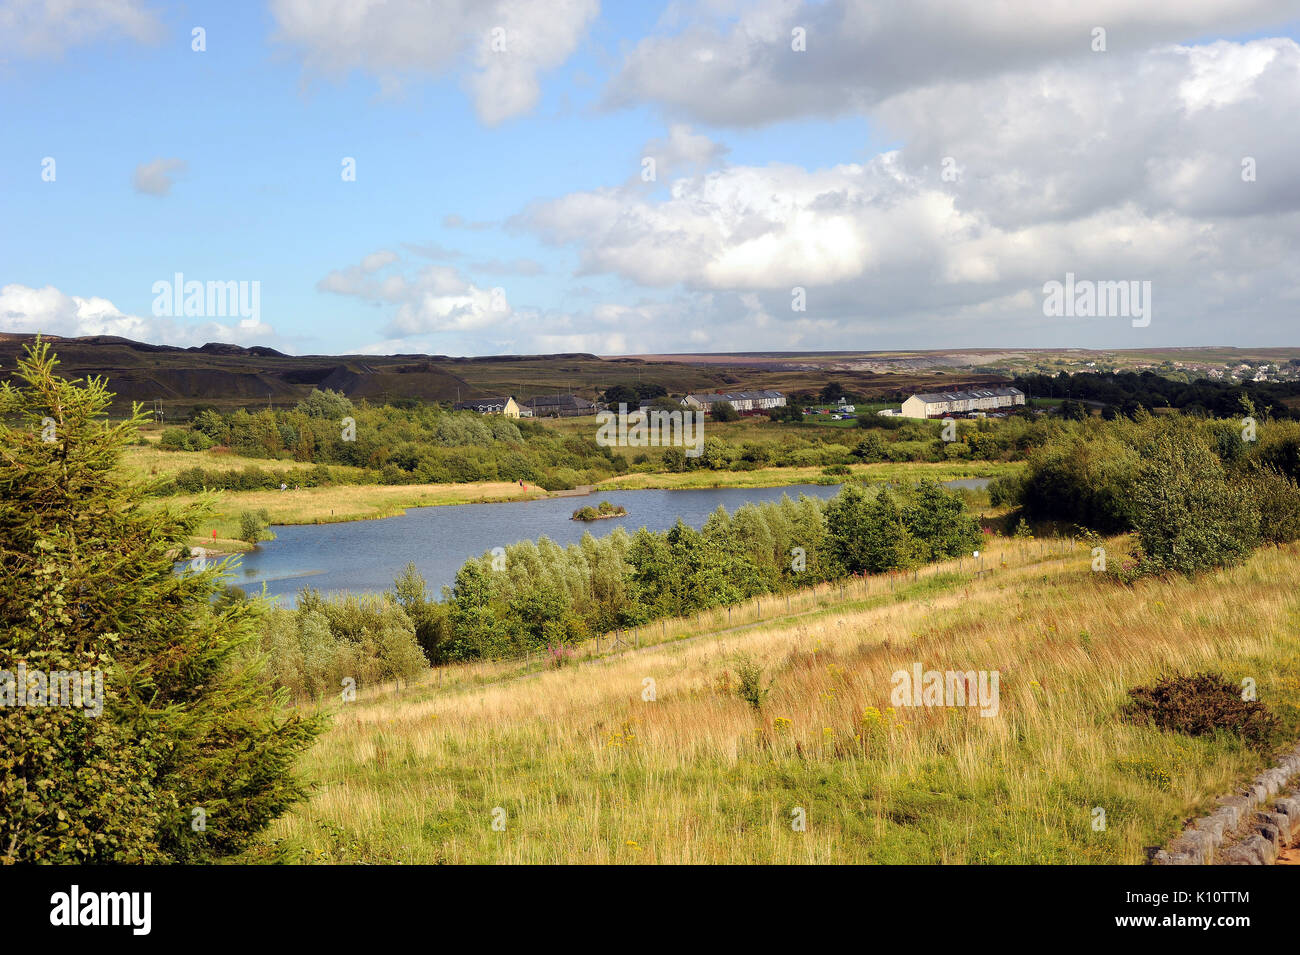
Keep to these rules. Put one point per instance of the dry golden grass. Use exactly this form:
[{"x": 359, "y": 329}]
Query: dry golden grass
[
  {"x": 586, "y": 770},
  {"x": 777, "y": 477},
  {"x": 351, "y": 502}
]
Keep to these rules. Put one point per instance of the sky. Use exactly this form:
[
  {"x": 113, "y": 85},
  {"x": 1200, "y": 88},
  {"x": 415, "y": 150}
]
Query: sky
[{"x": 482, "y": 177}]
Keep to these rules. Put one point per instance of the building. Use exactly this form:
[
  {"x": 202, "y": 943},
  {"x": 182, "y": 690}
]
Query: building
[
  {"x": 740, "y": 400},
  {"x": 504, "y": 405},
  {"x": 560, "y": 406},
  {"x": 942, "y": 403}
]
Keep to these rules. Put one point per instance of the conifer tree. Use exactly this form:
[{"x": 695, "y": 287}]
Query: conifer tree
[{"x": 193, "y": 753}]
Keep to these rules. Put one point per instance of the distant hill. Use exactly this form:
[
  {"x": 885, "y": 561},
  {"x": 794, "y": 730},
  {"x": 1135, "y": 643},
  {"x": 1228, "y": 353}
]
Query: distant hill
[{"x": 229, "y": 376}]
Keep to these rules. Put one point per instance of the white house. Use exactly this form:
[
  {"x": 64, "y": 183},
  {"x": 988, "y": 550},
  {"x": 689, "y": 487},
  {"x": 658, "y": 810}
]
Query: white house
[
  {"x": 938, "y": 404},
  {"x": 502, "y": 405},
  {"x": 740, "y": 400}
]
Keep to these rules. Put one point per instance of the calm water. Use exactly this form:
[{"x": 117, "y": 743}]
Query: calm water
[{"x": 367, "y": 555}]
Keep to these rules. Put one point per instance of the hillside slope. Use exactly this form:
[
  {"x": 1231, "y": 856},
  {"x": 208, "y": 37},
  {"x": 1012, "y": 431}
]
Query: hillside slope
[{"x": 581, "y": 767}]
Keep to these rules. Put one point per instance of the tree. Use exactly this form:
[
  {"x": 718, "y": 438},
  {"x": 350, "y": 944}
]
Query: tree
[
  {"x": 1190, "y": 516},
  {"x": 724, "y": 411},
  {"x": 188, "y": 727},
  {"x": 252, "y": 526},
  {"x": 833, "y": 391},
  {"x": 621, "y": 394},
  {"x": 325, "y": 404},
  {"x": 870, "y": 449}
]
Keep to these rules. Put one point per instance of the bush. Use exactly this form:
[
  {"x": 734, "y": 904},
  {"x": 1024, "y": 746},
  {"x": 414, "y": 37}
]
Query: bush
[
  {"x": 749, "y": 683},
  {"x": 252, "y": 526},
  {"x": 319, "y": 644},
  {"x": 724, "y": 411},
  {"x": 178, "y": 439},
  {"x": 1199, "y": 705},
  {"x": 1087, "y": 481},
  {"x": 1005, "y": 491},
  {"x": 1278, "y": 499},
  {"x": 1189, "y": 515}
]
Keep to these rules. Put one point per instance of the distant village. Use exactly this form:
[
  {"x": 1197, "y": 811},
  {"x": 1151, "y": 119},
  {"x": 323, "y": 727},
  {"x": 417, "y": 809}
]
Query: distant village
[
  {"x": 976, "y": 403},
  {"x": 1230, "y": 372}
]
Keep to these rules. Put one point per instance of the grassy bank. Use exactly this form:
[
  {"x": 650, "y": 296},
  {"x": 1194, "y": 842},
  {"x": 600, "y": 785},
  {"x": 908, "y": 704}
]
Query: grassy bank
[
  {"x": 588, "y": 770},
  {"x": 779, "y": 477},
  {"x": 327, "y": 505}
]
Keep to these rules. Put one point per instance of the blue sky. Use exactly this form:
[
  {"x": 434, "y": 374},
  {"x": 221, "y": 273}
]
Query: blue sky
[{"x": 820, "y": 169}]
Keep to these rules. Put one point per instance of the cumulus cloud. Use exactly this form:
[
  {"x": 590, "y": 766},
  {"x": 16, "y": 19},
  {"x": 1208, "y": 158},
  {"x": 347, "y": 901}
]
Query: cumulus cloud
[
  {"x": 498, "y": 48},
  {"x": 682, "y": 151},
  {"x": 427, "y": 299},
  {"x": 1130, "y": 169},
  {"x": 726, "y": 67},
  {"x": 53, "y": 312},
  {"x": 41, "y": 28},
  {"x": 157, "y": 177}
]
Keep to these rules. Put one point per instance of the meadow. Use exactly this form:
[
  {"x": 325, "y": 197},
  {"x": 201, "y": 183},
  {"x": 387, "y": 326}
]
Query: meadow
[{"x": 576, "y": 764}]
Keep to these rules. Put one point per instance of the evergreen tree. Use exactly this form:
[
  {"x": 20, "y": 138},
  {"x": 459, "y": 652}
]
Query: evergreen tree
[{"x": 189, "y": 729}]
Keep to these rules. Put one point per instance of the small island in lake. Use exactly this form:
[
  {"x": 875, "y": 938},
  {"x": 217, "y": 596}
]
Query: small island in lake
[{"x": 600, "y": 512}]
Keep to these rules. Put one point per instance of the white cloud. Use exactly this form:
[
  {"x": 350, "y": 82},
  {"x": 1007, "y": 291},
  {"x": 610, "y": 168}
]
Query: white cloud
[
  {"x": 156, "y": 178},
  {"x": 50, "y": 311},
  {"x": 713, "y": 64},
  {"x": 399, "y": 40},
  {"x": 49, "y": 27},
  {"x": 429, "y": 299},
  {"x": 1126, "y": 167},
  {"x": 682, "y": 151}
]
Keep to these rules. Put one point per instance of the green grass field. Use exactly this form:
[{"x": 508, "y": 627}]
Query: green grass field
[{"x": 578, "y": 764}]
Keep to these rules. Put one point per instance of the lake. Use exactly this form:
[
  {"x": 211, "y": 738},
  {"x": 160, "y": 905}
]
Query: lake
[{"x": 365, "y": 556}]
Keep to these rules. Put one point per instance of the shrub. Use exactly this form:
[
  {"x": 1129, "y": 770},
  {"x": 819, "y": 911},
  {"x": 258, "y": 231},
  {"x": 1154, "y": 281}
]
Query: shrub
[
  {"x": 749, "y": 683},
  {"x": 1005, "y": 491},
  {"x": 1201, "y": 704},
  {"x": 1188, "y": 515},
  {"x": 252, "y": 526},
  {"x": 1278, "y": 500},
  {"x": 725, "y": 411},
  {"x": 178, "y": 439}
]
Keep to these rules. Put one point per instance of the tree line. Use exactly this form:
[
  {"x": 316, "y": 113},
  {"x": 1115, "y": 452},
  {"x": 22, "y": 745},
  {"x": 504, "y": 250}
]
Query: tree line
[{"x": 535, "y": 594}]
